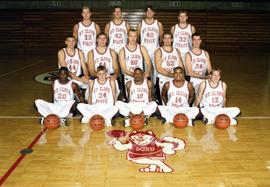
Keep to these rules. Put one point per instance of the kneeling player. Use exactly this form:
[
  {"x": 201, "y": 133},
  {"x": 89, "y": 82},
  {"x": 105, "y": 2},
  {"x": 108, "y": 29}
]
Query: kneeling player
[
  {"x": 178, "y": 95},
  {"x": 139, "y": 95},
  {"x": 212, "y": 99},
  {"x": 63, "y": 96},
  {"x": 101, "y": 98}
]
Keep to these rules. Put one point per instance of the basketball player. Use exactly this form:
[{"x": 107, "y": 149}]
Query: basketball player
[
  {"x": 101, "y": 98},
  {"x": 178, "y": 95},
  {"x": 103, "y": 55},
  {"x": 133, "y": 56},
  {"x": 73, "y": 59},
  {"x": 85, "y": 32},
  {"x": 150, "y": 32},
  {"x": 140, "y": 102},
  {"x": 63, "y": 97},
  {"x": 166, "y": 59},
  {"x": 117, "y": 30},
  {"x": 212, "y": 99},
  {"x": 198, "y": 63},
  {"x": 182, "y": 33}
]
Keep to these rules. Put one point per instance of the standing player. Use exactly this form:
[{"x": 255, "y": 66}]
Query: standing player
[
  {"x": 63, "y": 97},
  {"x": 117, "y": 30},
  {"x": 166, "y": 59},
  {"x": 212, "y": 99},
  {"x": 101, "y": 98},
  {"x": 178, "y": 95},
  {"x": 73, "y": 59},
  {"x": 182, "y": 33},
  {"x": 133, "y": 56},
  {"x": 103, "y": 56},
  {"x": 198, "y": 63},
  {"x": 139, "y": 96},
  {"x": 85, "y": 32},
  {"x": 150, "y": 32}
]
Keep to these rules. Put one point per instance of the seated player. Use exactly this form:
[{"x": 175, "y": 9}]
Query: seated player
[
  {"x": 101, "y": 98},
  {"x": 178, "y": 95},
  {"x": 139, "y": 96},
  {"x": 73, "y": 59},
  {"x": 64, "y": 91},
  {"x": 212, "y": 99}
]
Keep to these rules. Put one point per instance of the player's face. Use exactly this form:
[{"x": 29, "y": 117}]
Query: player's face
[
  {"x": 196, "y": 41},
  {"x": 101, "y": 75},
  {"x": 215, "y": 77},
  {"x": 150, "y": 13},
  {"x": 102, "y": 41},
  {"x": 132, "y": 37},
  {"x": 167, "y": 40},
  {"x": 70, "y": 42},
  {"x": 63, "y": 76},
  {"x": 117, "y": 13},
  {"x": 86, "y": 13},
  {"x": 138, "y": 75},
  {"x": 182, "y": 17},
  {"x": 178, "y": 75}
]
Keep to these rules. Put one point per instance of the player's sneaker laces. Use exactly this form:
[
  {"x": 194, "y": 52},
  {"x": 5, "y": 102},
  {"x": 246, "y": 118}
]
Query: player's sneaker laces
[
  {"x": 41, "y": 121},
  {"x": 63, "y": 122}
]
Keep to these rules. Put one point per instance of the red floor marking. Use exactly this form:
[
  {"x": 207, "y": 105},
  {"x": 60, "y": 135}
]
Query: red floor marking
[{"x": 19, "y": 159}]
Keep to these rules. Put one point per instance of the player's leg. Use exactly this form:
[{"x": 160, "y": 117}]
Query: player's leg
[{"x": 87, "y": 111}]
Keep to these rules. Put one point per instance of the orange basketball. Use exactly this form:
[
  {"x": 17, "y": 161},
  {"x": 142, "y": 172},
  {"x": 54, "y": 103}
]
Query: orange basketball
[
  {"x": 180, "y": 120},
  {"x": 52, "y": 121},
  {"x": 137, "y": 122},
  {"x": 222, "y": 121},
  {"x": 97, "y": 122}
]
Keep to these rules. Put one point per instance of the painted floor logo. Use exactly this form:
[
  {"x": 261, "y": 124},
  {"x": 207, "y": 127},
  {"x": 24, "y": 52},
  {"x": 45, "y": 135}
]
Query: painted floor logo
[
  {"x": 46, "y": 78},
  {"x": 143, "y": 147}
]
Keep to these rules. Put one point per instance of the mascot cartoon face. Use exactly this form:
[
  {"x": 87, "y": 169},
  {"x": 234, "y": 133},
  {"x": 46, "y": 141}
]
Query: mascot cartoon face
[{"x": 142, "y": 138}]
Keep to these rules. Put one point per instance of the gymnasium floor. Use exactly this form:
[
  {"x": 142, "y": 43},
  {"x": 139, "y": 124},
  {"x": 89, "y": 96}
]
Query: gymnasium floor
[{"x": 76, "y": 156}]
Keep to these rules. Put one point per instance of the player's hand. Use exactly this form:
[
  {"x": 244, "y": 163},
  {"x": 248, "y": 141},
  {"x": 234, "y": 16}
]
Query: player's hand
[
  {"x": 208, "y": 77},
  {"x": 146, "y": 75},
  {"x": 112, "y": 78},
  {"x": 112, "y": 142},
  {"x": 85, "y": 79}
]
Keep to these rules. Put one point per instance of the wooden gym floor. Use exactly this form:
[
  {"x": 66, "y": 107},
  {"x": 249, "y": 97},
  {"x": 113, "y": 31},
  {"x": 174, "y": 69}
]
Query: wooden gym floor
[{"x": 76, "y": 156}]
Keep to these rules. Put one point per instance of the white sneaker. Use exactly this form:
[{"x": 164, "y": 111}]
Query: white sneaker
[
  {"x": 233, "y": 122},
  {"x": 127, "y": 122}
]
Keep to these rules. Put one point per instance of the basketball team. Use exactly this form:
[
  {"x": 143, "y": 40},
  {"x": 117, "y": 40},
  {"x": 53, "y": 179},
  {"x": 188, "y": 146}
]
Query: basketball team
[{"x": 109, "y": 73}]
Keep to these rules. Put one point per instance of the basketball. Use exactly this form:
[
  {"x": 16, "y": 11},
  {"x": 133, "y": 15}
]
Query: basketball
[
  {"x": 180, "y": 120},
  {"x": 97, "y": 122},
  {"x": 52, "y": 121},
  {"x": 137, "y": 122},
  {"x": 222, "y": 121}
]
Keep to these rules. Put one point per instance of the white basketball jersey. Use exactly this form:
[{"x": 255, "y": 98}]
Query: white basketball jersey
[
  {"x": 134, "y": 59},
  {"x": 169, "y": 62},
  {"x": 63, "y": 92},
  {"x": 117, "y": 36},
  {"x": 104, "y": 59},
  {"x": 199, "y": 63},
  {"x": 213, "y": 97},
  {"x": 102, "y": 93},
  {"x": 87, "y": 36},
  {"x": 73, "y": 62},
  {"x": 150, "y": 36},
  {"x": 182, "y": 38},
  {"x": 139, "y": 93},
  {"x": 178, "y": 97}
]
